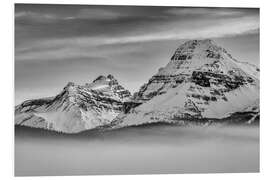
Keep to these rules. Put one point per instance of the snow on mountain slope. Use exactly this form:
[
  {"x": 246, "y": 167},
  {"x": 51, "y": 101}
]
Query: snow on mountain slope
[
  {"x": 202, "y": 80},
  {"x": 76, "y": 108}
]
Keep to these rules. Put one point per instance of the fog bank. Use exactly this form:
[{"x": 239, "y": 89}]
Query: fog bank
[{"x": 155, "y": 149}]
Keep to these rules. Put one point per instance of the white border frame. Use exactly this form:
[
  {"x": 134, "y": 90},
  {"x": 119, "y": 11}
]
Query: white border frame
[{"x": 7, "y": 84}]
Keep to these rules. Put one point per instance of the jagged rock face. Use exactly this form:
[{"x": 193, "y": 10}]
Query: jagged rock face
[
  {"x": 76, "y": 108},
  {"x": 202, "y": 80}
]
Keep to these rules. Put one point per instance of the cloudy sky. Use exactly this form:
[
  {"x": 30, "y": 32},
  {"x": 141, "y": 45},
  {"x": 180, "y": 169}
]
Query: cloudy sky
[{"x": 55, "y": 44}]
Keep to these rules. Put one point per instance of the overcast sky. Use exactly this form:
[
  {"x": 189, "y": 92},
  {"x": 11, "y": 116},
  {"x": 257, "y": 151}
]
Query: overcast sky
[{"x": 55, "y": 44}]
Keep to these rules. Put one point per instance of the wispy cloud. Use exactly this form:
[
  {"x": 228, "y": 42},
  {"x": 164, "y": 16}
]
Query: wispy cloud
[
  {"x": 36, "y": 17},
  {"x": 85, "y": 13},
  {"x": 205, "y": 11},
  {"x": 98, "y": 13},
  {"x": 61, "y": 48}
]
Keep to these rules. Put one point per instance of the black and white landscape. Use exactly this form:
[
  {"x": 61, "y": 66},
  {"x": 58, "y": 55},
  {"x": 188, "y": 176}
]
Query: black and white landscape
[{"x": 168, "y": 90}]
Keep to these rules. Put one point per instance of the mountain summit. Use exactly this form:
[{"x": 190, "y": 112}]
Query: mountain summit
[{"x": 203, "y": 48}]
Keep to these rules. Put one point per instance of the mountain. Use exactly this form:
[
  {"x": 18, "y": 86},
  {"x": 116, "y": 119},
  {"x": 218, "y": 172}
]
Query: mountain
[
  {"x": 76, "y": 107},
  {"x": 202, "y": 81}
]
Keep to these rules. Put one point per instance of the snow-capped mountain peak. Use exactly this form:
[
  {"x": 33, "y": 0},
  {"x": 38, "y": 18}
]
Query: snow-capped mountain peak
[
  {"x": 201, "y": 80},
  {"x": 204, "y": 55},
  {"x": 197, "y": 60},
  {"x": 197, "y": 48},
  {"x": 103, "y": 78},
  {"x": 108, "y": 84},
  {"x": 76, "y": 107}
]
